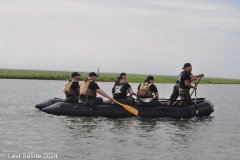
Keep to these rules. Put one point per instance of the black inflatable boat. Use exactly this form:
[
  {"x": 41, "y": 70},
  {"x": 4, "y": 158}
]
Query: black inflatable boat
[{"x": 60, "y": 107}]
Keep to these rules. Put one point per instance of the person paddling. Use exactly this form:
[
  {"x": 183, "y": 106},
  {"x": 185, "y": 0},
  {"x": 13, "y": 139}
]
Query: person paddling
[
  {"x": 120, "y": 91},
  {"x": 121, "y": 76},
  {"x": 89, "y": 89},
  {"x": 185, "y": 84},
  {"x": 175, "y": 94}
]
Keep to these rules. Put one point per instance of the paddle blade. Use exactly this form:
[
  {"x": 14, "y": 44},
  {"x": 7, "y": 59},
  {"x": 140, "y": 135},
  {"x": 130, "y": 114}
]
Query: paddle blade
[{"x": 128, "y": 108}]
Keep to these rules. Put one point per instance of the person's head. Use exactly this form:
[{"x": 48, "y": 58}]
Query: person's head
[
  {"x": 123, "y": 75},
  {"x": 150, "y": 79},
  {"x": 93, "y": 76},
  {"x": 187, "y": 67},
  {"x": 118, "y": 79},
  {"x": 75, "y": 76},
  {"x": 121, "y": 79}
]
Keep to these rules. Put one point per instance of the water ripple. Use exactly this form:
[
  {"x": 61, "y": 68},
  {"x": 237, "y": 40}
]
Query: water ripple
[{"x": 26, "y": 129}]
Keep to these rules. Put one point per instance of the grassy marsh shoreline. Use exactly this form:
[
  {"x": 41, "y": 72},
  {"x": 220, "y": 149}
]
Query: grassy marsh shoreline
[{"x": 103, "y": 77}]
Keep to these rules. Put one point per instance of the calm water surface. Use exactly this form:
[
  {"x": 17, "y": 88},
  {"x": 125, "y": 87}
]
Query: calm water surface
[{"x": 24, "y": 129}]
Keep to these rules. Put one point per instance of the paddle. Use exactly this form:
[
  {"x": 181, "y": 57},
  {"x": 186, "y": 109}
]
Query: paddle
[
  {"x": 195, "y": 85},
  {"x": 196, "y": 107},
  {"x": 128, "y": 108}
]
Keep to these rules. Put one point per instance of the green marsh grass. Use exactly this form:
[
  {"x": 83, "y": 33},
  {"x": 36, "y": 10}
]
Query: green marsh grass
[{"x": 103, "y": 77}]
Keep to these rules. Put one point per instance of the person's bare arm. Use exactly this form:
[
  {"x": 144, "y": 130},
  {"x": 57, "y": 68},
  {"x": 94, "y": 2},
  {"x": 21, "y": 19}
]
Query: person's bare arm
[
  {"x": 104, "y": 94},
  {"x": 130, "y": 91},
  {"x": 156, "y": 95},
  {"x": 65, "y": 89},
  {"x": 200, "y": 75},
  {"x": 194, "y": 77},
  {"x": 188, "y": 84}
]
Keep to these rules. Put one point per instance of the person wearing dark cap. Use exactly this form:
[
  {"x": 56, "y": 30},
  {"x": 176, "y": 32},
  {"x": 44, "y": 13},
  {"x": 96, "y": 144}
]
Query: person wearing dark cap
[
  {"x": 185, "y": 84},
  {"x": 175, "y": 94},
  {"x": 123, "y": 75},
  {"x": 147, "y": 90},
  {"x": 89, "y": 89},
  {"x": 72, "y": 88},
  {"x": 120, "y": 91}
]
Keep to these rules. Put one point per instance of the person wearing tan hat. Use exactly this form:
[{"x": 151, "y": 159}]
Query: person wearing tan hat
[
  {"x": 185, "y": 79},
  {"x": 71, "y": 89},
  {"x": 89, "y": 89}
]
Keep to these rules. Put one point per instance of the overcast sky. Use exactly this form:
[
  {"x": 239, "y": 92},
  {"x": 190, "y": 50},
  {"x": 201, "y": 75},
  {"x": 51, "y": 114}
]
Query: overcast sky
[{"x": 134, "y": 36}]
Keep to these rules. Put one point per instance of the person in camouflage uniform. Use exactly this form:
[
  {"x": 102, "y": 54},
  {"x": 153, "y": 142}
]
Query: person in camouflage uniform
[
  {"x": 185, "y": 84},
  {"x": 175, "y": 94}
]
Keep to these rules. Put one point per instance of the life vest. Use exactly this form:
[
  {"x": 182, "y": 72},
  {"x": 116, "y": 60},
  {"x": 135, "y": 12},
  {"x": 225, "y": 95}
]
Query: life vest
[
  {"x": 84, "y": 90},
  {"x": 69, "y": 91},
  {"x": 144, "y": 90}
]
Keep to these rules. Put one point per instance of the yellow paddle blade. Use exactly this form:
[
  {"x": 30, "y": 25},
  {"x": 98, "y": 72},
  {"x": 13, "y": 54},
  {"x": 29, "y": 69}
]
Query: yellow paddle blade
[{"x": 128, "y": 108}]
